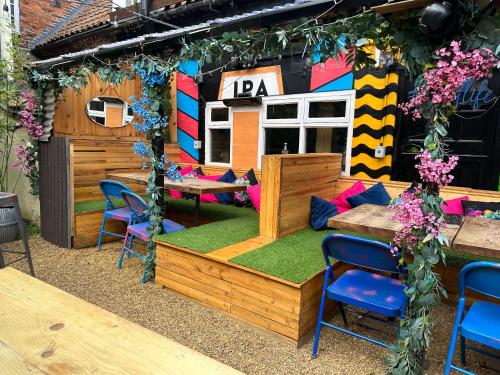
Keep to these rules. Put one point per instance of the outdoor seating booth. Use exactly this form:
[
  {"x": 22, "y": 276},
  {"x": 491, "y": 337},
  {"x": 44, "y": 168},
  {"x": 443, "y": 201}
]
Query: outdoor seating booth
[{"x": 303, "y": 131}]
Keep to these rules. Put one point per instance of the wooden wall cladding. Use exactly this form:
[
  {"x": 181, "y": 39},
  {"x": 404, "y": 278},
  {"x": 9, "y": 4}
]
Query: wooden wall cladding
[
  {"x": 71, "y": 118},
  {"x": 92, "y": 159},
  {"x": 288, "y": 182},
  {"x": 394, "y": 188},
  {"x": 87, "y": 226},
  {"x": 276, "y": 305}
]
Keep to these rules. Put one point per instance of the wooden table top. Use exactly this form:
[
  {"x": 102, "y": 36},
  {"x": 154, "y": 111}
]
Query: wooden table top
[
  {"x": 480, "y": 237},
  {"x": 189, "y": 185},
  {"x": 45, "y": 330},
  {"x": 376, "y": 221}
]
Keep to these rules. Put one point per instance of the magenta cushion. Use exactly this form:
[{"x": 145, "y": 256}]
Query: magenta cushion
[
  {"x": 176, "y": 194},
  {"x": 340, "y": 200},
  {"x": 254, "y": 195},
  {"x": 209, "y": 198},
  {"x": 454, "y": 206}
]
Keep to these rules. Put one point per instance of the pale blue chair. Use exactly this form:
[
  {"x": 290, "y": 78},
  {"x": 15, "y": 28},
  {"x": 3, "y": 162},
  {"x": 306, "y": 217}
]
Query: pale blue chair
[
  {"x": 360, "y": 288},
  {"x": 481, "y": 323}
]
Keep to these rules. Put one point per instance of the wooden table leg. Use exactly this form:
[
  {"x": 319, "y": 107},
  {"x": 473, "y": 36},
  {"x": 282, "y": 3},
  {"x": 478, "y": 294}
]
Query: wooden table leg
[{"x": 197, "y": 210}]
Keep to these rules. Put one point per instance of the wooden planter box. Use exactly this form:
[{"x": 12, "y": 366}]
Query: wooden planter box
[{"x": 279, "y": 306}]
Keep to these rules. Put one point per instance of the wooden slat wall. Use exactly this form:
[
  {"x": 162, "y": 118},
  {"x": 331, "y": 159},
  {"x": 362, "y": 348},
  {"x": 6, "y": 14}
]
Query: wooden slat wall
[
  {"x": 394, "y": 188},
  {"x": 55, "y": 191},
  {"x": 288, "y": 182},
  {"x": 93, "y": 158},
  {"x": 71, "y": 118},
  {"x": 257, "y": 299}
]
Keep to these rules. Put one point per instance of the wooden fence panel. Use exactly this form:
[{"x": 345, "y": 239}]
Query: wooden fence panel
[
  {"x": 288, "y": 182},
  {"x": 93, "y": 159},
  {"x": 55, "y": 191}
]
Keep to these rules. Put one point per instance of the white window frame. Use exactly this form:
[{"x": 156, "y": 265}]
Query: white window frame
[
  {"x": 214, "y": 125},
  {"x": 303, "y": 122}
]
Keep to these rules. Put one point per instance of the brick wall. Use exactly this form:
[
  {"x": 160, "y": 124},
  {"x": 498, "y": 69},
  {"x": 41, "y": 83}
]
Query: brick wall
[{"x": 36, "y": 16}]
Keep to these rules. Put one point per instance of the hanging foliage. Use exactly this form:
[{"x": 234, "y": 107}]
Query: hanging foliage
[{"x": 420, "y": 211}]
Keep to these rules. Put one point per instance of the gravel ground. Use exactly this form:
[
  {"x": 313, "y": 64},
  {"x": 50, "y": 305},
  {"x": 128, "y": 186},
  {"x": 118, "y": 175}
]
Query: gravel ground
[{"x": 93, "y": 277}]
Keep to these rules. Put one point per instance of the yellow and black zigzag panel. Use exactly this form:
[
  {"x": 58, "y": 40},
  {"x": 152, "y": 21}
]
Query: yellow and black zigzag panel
[{"x": 374, "y": 122}]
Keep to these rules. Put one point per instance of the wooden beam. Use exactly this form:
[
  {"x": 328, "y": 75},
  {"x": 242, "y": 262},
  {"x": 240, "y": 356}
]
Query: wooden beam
[{"x": 400, "y": 6}]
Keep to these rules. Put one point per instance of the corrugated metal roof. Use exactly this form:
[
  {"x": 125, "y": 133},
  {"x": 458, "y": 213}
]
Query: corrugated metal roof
[{"x": 172, "y": 34}]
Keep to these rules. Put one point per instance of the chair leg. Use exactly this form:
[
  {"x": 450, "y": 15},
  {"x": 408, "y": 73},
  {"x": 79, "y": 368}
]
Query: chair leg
[
  {"x": 124, "y": 247},
  {"x": 100, "y": 232},
  {"x": 24, "y": 237},
  {"x": 129, "y": 249},
  {"x": 342, "y": 312},
  {"x": 454, "y": 333},
  {"x": 462, "y": 350},
  {"x": 314, "y": 353}
]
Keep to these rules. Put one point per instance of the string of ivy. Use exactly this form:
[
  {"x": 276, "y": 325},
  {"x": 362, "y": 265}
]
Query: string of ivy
[{"x": 347, "y": 36}]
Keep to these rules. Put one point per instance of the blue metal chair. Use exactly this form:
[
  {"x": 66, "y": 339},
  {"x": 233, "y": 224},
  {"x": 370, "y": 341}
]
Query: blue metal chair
[
  {"x": 112, "y": 189},
  {"x": 139, "y": 223},
  {"x": 481, "y": 323},
  {"x": 362, "y": 289}
]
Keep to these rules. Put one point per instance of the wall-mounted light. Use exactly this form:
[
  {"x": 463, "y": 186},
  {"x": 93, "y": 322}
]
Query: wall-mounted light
[{"x": 5, "y": 7}]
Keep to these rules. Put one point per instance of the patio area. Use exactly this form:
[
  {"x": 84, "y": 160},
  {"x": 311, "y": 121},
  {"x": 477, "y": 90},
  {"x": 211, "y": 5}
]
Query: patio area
[{"x": 92, "y": 276}]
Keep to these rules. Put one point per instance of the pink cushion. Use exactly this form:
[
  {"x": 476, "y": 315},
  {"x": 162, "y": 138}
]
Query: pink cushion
[
  {"x": 209, "y": 198},
  {"x": 254, "y": 195},
  {"x": 454, "y": 206},
  {"x": 176, "y": 194},
  {"x": 340, "y": 200}
]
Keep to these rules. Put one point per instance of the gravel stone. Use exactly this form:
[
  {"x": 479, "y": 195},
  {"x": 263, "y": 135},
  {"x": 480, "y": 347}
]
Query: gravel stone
[{"x": 93, "y": 276}]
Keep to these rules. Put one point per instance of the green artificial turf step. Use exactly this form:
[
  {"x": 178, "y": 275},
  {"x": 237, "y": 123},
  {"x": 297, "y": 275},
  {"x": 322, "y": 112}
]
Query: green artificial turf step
[
  {"x": 231, "y": 225},
  {"x": 298, "y": 256}
]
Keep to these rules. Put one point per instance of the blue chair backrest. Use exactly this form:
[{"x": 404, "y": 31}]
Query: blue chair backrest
[
  {"x": 137, "y": 205},
  {"x": 481, "y": 277},
  {"x": 361, "y": 252},
  {"x": 112, "y": 189}
]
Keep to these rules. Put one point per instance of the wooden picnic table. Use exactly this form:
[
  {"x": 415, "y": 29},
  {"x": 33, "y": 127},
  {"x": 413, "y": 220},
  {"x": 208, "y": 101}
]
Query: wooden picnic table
[
  {"x": 376, "y": 221},
  {"x": 45, "y": 330},
  {"x": 479, "y": 236},
  {"x": 189, "y": 185}
]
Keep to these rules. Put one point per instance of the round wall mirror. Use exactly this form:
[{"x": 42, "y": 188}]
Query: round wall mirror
[{"x": 109, "y": 111}]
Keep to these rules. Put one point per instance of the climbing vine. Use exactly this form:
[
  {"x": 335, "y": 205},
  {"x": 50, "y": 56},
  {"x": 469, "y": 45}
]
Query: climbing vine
[{"x": 420, "y": 210}]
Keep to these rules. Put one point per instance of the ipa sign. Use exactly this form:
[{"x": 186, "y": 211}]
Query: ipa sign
[{"x": 265, "y": 81}]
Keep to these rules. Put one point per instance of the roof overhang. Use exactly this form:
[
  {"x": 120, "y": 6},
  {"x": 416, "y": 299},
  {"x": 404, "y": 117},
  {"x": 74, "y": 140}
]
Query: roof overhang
[{"x": 193, "y": 30}]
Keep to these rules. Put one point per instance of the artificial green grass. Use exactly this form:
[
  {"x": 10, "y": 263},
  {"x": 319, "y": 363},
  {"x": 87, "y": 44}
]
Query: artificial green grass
[
  {"x": 233, "y": 225},
  {"x": 96, "y": 205},
  {"x": 298, "y": 256},
  {"x": 294, "y": 258},
  {"x": 213, "y": 236}
]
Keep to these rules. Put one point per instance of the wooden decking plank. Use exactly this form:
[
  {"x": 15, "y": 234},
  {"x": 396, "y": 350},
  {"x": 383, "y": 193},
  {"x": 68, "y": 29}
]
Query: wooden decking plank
[{"x": 239, "y": 248}]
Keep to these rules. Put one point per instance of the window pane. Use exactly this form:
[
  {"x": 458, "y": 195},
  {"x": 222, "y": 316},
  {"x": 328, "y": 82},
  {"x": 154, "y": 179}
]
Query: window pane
[
  {"x": 282, "y": 111},
  {"x": 276, "y": 139},
  {"x": 220, "y": 148},
  {"x": 327, "y": 140},
  {"x": 327, "y": 109},
  {"x": 96, "y": 105},
  {"x": 219, "y": 114}
]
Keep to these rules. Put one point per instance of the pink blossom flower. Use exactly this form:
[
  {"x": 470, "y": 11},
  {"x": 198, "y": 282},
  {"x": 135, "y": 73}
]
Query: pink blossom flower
[
  {"x": 442, "y": 83},
  {"x": 435, "y": 171},
  {"x": 27, "y": 117}
]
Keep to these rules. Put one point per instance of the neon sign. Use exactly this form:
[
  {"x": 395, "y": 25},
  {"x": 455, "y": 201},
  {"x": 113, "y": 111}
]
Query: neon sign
[{"x": 470, "y": 94}]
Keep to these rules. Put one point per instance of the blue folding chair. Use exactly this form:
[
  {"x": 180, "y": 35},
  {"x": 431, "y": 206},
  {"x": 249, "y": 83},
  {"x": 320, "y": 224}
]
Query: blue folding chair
[
  {"x": 139, "y": 223},
  {"x": 359, "y": 288},
  {"x": 112, "y": 189},
  {"x": 481, "y": 323}
]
